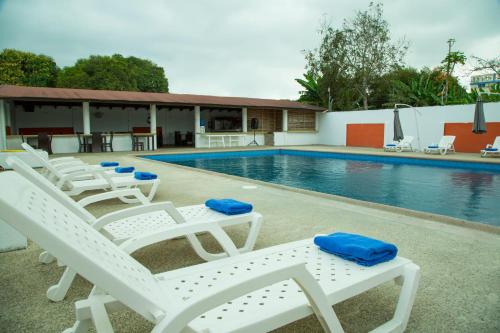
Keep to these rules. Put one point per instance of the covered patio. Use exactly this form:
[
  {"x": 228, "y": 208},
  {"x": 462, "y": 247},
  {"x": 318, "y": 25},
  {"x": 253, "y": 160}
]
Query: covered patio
[{"x": 79, "y": 120}]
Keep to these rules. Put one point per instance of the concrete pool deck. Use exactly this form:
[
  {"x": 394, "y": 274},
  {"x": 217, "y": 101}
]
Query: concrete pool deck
[{"x": 459, "y": 290}]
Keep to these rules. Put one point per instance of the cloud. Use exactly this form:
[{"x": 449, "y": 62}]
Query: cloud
[{"x": 235, "y": 48}]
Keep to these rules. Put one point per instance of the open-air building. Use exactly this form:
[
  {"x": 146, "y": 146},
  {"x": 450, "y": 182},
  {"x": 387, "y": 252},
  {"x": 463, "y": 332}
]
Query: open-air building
[{"x": 70, "y": 116}]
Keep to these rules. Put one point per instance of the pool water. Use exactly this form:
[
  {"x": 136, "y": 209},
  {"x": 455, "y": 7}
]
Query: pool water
[{"x": 469, "y": 191}]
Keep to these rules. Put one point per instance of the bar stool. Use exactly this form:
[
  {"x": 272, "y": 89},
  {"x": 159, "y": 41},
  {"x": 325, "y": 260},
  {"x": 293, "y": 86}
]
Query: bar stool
[
  {"x": 83, "y": 146},
  {"x": 136, "y": 144},
  {"x": 105, "y": 144}
]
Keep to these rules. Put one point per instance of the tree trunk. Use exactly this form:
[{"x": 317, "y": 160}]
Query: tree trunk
[{"x": 365, "y": 102}]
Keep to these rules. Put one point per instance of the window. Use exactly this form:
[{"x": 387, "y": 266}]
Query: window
[
  {"x": 269, "y": 120},
  {"x": 301, "y": 120}
]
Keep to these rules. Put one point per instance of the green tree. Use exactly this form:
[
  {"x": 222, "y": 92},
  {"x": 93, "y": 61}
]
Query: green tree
[
  {"x": 310, "y": 94},
  {"x": 448, "y": 64},
  {"x": 114, "y": 73},
  {"x": 26, "y": 68},
  {"x": 358, "y": 55}
]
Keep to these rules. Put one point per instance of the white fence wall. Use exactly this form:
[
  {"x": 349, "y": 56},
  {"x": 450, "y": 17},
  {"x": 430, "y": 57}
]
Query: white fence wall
[{"x": 431, "y": 120}]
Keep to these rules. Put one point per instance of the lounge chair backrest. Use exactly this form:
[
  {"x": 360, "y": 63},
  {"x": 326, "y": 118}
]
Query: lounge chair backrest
[
  {"x": 46, "y": 164},
  {"x": 446, "y": 141},
  {"x": 55, "y": 228},
  {"x": 407, "y": 139},
  {"x": 496, "y": 143},
  {"x": 36, "y": 178}
]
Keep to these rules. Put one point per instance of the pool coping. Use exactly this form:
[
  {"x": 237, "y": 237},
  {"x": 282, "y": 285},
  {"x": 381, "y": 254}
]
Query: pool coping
[
  {"x": 326, "y": 149},
  {"x": 374, "y": 205}
]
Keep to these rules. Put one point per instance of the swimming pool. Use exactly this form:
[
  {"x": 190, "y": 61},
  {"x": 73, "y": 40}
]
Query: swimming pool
[{"x": 465, "y": 190}]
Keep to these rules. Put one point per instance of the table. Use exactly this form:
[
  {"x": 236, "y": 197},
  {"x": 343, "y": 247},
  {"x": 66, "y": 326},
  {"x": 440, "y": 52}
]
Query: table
[{"x": 147, "y": 136}]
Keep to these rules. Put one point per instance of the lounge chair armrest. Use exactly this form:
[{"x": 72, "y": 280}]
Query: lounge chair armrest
[
  {"x": 135, "y": 192},
  {"x": 254, "y": 280},
  {"x": 82, "y": 172},
  {"x": 179, "y": 230},
  {"x": 74, "y": 168},
  {"x": 68, "y": 164},
  {"x": 166, "y": 206},
  {"x": 62, "y": 159}
]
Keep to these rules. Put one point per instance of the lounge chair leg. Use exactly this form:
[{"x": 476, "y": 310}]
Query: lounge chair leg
[
  {"x": 253, "y": 233},
  {"x": 407, "y": 294},
  {"x": 57, "y": 292},
  {"x": 46, "y": 257}
]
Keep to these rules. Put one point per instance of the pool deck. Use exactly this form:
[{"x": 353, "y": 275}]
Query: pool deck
[{"x": 459, "y": 289}]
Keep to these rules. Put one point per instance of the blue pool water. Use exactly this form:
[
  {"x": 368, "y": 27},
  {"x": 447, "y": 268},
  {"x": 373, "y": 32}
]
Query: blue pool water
[{"x": 464, "y": 190}]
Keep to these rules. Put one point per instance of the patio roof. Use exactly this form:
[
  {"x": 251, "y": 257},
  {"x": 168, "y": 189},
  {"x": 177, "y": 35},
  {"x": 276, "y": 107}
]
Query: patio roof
[{"x": 44, "y": 94}]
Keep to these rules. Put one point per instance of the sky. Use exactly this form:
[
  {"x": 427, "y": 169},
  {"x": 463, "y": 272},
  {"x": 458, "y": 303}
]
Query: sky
[{"x": 247, "y": 48}]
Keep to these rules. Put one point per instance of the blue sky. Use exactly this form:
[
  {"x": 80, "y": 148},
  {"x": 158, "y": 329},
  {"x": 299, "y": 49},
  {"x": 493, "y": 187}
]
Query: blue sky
[{"x": 236, "y": 48}]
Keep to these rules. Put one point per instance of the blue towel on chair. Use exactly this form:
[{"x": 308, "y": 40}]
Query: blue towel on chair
[
  {"x": 109, "y": 164},
  {"x": 229, "y": 206},
  {"x": 390, "y": 145},
  {"x": 124, "y": 169},
  {"x": 491, "y": 149},
  {"x": 360, "y": 249},
  {"x": 144, "y": 175},
  {"x": 433, "y": 146}
]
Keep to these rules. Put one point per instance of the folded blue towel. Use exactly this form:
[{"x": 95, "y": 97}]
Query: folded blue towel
[
  {"x": 124, "y": 169},
  {"x": 144, "y": 175},
  {"x": 229, "y": 206},
  {"x": 491, "y": 149},
  {"x": 360, "y": 249},
  {"x": 109, "y": 164},
  {"x": 433, "y": 146},
  {"x": 391, "y": 145}
]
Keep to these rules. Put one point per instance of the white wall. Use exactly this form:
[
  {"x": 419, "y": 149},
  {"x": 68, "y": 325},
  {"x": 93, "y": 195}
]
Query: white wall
[
  {"x": 332, "y": 125},
  {"x": 295, "y": 138}
]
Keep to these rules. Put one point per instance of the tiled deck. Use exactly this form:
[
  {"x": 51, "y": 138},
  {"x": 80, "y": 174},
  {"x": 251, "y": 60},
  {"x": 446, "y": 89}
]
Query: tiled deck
[{"x": 460, "y": 266}]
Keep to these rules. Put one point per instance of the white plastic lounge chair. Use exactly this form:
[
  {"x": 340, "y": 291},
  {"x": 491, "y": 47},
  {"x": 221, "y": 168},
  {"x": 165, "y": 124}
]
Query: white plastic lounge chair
[
  {"x": 403, "y": 145},
  {"x": 253, "y": 292},
  {"x": 64, "y": 165},
  {"x": 122, "y": 225},
  {"x": 490, "y": 149},
  {"x": 80, "y": 178},
  {"x": 443, "y": 147}
]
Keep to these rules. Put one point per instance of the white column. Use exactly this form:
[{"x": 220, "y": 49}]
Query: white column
[
  {"x": 197, "y": 119},
  {"x": 3, "y": 133},
  {"x": 244, "y": 120},
  {"x": 152, "y": 123},
  {"x": 197, "y": 126},
  {"x": 285, "y": 120},
  {"x": 316, "y": 121},
  {"x": 86, "y": 117}
]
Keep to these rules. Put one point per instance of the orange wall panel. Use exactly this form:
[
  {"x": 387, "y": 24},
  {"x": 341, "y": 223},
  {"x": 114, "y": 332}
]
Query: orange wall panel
[
  {"x": 468, "y": 142},
  {"x": 365, "y": 135}
]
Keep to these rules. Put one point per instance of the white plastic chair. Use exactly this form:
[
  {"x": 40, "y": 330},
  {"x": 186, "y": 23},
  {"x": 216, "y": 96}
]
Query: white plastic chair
[
  {"x": 80, "y": 178},
  {"x": 404, "y": 145},
  {"x": 254, "y": 292},
  {"x": 122, "y": 225},
  {"x": 444, "y": 146},
  {"x": 64, "y": 165},
  {"x": 490, "y": 149}
]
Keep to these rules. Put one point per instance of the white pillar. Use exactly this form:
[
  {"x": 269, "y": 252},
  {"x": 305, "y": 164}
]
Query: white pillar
[
  {"x": 316, "y": 121},
  {"x": 86, "y": 117},
  {"x": 3, "y": 133},
  {"x": 152, "y": 123},
  {"x": 285, "y": 120},
  {"x": 197, "y": 119},
  {"x": 244, "y": 120}
]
